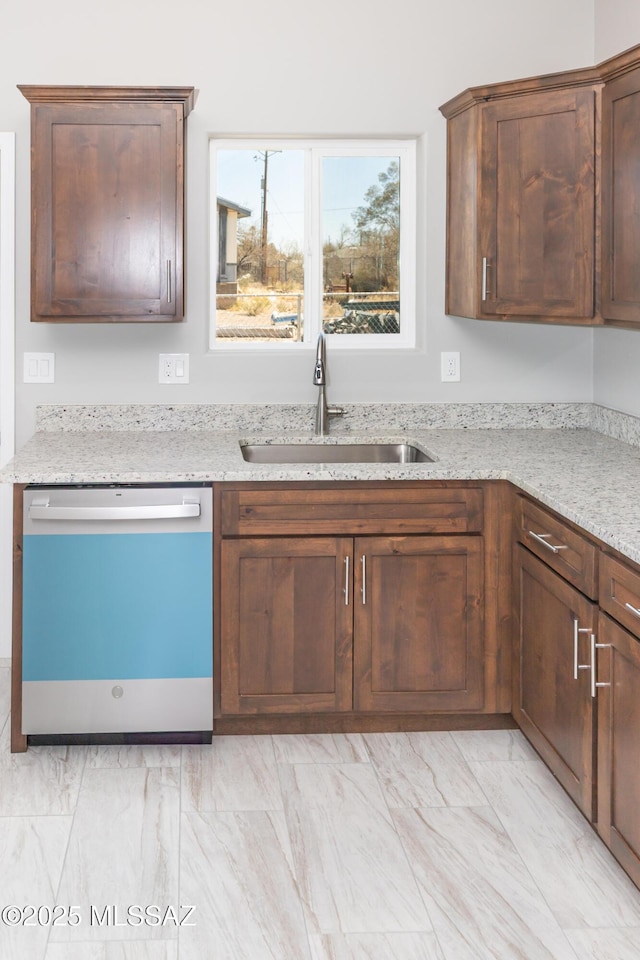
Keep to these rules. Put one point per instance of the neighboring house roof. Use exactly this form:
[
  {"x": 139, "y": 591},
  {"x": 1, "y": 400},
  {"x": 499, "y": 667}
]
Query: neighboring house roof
[{"x": 241, "y": 211}]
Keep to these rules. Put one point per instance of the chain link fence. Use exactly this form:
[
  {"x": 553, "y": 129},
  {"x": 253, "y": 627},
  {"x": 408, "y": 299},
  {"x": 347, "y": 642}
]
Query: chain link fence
[{"x": 269, "y": 317}]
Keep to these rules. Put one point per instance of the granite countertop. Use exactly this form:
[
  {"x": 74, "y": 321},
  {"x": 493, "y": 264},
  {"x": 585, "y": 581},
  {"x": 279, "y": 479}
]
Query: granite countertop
[{"x": 587, "y": 476}]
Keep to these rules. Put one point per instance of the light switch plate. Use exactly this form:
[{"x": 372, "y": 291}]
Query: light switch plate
[
  {"x": 39, "y": 367},
  {"x": 173, "y": 368}
]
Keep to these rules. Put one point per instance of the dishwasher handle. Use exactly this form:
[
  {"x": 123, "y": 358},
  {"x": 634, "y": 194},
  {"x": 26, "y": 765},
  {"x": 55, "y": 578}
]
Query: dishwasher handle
[{"x": 42, "y": 510}]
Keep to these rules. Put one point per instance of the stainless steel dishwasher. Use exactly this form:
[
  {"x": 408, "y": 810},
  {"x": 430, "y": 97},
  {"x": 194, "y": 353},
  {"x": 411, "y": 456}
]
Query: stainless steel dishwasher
[{"x": 117, "y": 610}]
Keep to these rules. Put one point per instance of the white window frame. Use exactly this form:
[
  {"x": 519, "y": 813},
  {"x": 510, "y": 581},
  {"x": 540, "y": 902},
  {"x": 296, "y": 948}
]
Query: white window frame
[{"x": 316, "y": 151}]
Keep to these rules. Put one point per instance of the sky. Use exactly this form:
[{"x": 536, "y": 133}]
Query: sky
[{"x": 345, "y": 182}]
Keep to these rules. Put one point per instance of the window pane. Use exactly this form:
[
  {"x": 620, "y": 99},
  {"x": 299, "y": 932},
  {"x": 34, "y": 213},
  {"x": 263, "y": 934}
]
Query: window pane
[
  {"x": 361, "y": 244},
  {"x": 260, "y": 274}
]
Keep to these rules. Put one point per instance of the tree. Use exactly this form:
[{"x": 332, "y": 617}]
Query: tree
[
  {"x": 378, "y": 224},
  {"x": 249, "y": 247},
  {"x": 382, "y": 203}
]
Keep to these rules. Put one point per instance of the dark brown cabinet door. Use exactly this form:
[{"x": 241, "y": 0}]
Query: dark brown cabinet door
[
  {"x": 618, "y": 666},
  {"x": 621, "y": 198},
  {"x": 552, "y": 696},
  {"x": 107, "y": 208},
  {"x": 537, "y": 205},
  {"x": 286, "y": 630},
  {"x": 418, "y": 623}
]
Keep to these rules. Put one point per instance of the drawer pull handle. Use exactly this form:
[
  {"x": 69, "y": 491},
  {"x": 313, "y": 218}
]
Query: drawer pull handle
[
  {"x": 169, "y": 292},
  {"x": 577, "y": 630},
  {"x": 596, "y": 646},
  {"x": 633, "y": 609},
  {"x": 543, "y": 537},
  {"x": 346, "y": 581}
]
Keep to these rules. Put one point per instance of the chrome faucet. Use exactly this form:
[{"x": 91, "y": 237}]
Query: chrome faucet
[{"x": 323, "y": 410}]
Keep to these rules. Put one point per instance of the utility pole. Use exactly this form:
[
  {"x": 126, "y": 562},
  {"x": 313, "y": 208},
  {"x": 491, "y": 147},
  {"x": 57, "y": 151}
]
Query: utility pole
[{"x": 264, "y": 155}]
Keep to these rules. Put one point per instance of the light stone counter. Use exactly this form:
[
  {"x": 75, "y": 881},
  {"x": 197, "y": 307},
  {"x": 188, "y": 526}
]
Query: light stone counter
[{"x": 564, "y": 460}]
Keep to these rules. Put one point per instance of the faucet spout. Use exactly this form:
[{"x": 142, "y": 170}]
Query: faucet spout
[
  {"x": 321, "y": 362},
  {"x": 323, "y": 410}
]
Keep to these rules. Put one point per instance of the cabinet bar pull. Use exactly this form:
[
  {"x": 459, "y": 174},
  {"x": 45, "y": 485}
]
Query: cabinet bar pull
[
  {"x": 364, "y": 579},
  {"x": 596, "y": 646},
  {"x": 169, "y": 292},
  {"x": 577, "y": 630},
  {"x": 542, "y": 538},
  {"x": 346, "y": 581},
  {"x": 485, "y": 267},
  {"x": 633, "y": 609}
]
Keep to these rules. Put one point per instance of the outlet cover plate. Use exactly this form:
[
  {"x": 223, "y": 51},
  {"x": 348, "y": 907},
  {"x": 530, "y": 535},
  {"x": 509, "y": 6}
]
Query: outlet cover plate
[
  {"x": 173, "y": 368},
  {"x": 450, "y": 367}
]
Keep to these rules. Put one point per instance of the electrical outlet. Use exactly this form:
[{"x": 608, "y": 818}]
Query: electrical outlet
[
  {"x": 173, "y": 368},
  {"x": 449, "y": 367}
]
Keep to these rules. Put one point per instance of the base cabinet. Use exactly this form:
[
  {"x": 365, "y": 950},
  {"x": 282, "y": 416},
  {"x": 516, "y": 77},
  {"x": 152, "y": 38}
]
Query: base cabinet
[
  {"x": 315, "y": 624},
  {"x": 286, "y": 628},
  {"x": 576, "y": 689},
  {"x": 552, "y": 691},
  {"x": 618, "y": 738},
  {"x": 354, "y": 599},
  {"x": 418, "y": 640}
]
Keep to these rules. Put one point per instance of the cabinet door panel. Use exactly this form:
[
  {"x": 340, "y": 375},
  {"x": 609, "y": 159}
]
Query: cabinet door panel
[
  {"x": 107, "y": 236},
  {"x": 286, "y": 626},
  {"x": 618, "y": 737},
  {"x": 553, "y": 708},
  {"x": 537, "y": 206},
  {"x": 620, "y": 196},
  {"x": 418, "y": 624}
]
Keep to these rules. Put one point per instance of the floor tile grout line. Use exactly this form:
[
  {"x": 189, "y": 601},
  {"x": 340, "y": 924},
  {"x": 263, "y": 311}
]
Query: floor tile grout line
[
  {"x": 179, "y": 871},
  {"x": 293, "y": 866},
  {"x": 506, "y": 833},
  {"x": 405, "y": 853},
  {"x": 522, "y": 858},
  {"x": 66, "y": 849}
]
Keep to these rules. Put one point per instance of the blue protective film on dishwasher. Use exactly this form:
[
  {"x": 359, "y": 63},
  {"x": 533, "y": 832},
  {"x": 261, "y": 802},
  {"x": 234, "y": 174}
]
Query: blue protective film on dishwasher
[{"x": 129, "y": 606}]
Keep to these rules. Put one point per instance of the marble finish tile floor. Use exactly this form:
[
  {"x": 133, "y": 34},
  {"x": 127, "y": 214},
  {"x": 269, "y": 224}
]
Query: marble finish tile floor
[{"x": 421, "y": 846}]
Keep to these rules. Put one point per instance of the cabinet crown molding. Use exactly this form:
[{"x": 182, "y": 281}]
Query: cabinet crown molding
[
  {"x": 615, "y": 66},
  {"x": 82, "y": 94}
]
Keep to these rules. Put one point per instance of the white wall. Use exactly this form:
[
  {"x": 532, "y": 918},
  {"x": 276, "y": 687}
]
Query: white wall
[
  {"x": 616, "y": 352},
  {"x": 7, "y": 218},
  {"x": 336, "y": 67}
]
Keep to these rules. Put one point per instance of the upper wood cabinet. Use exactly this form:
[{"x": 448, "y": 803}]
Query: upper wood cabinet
[
  {"x": 107, "y": 196},
  {"x": 621, "y": 198},
  {"x": 520, "y": 240},
  {"x": 543, "y": 220}
]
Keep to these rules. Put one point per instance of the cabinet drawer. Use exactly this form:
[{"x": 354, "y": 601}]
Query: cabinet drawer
[
  {"x": 253, "y": 511},
  {"x": 620, "y": 592},
  {"x": 559, "y": 545}
]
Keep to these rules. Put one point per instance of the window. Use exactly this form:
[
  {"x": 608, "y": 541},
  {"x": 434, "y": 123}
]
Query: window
[{"x": 309, "y": 236}]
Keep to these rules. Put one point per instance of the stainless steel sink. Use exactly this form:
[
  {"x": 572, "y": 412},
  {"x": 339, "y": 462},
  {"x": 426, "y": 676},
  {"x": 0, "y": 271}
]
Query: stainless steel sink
[{"x": 334, "y": 453}]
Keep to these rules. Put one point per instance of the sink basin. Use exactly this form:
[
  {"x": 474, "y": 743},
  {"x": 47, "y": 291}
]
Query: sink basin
[{"x": 333, "y": 453}]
